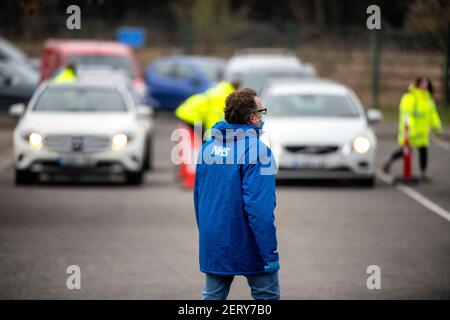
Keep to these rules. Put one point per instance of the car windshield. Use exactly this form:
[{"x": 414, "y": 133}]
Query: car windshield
[
  {"x": 311, "y": 105},
  {"x": 113, "y": 62},
  {"x": 256, "y": 80},
  {"x": 213, "y": 70},
  {"x": 73, "y": 99},
  {"x": 9, "y": 51}
]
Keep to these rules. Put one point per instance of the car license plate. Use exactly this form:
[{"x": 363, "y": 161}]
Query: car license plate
[
  {"x": 309, "y": 163},
  {"x": 77, "y": 161}
]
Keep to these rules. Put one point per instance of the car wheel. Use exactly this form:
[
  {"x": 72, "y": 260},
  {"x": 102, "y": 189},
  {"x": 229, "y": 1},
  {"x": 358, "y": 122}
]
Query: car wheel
[
  {"x": 24, "y": 177},
  {"x": 367, "y": 182},
  {"x": 148, "y": 155},
  {"x": 135, "y": 178}
]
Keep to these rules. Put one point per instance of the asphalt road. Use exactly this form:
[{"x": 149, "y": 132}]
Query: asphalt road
[{"x": 141, "y": 242}]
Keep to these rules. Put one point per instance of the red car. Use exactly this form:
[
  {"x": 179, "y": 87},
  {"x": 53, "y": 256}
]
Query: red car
[{"x": 89, "y": 53}]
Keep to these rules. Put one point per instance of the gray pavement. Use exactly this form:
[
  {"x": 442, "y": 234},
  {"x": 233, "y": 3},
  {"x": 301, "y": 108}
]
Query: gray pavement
[{"x": 141, "y": 242}]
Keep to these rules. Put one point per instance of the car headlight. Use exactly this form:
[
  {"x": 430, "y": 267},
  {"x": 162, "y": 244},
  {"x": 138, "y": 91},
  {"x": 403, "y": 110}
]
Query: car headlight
[
  {"x": 35, "y": 140},
  {"x": 361, "y": 145},
  {"x": 119, "y": 141}
]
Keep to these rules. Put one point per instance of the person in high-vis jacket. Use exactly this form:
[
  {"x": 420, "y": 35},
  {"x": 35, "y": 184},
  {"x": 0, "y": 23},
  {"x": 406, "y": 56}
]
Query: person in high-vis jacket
[
  {"x": 418, "y": 111},
  {"x": 234, "y": 200},
  {"x": 206, "y": 108},
  {"x": 67, "y": 74},
  {"x": 197, "y": 116}
]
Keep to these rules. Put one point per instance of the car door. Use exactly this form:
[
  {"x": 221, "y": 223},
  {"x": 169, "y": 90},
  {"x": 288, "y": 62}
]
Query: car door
[
  {"x": 188, "y": 82},
  {"x": 160, "y": 78},
  {"x": 12, "y": 89}
]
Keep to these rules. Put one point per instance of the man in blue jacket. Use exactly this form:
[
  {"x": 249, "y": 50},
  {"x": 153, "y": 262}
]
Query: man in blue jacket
[{"x": 234, "y": 198}]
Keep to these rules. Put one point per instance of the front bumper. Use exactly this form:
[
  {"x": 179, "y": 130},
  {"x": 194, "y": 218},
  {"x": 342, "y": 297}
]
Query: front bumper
[
  {"x": 334, "y": 165},
  {"x": 101, "y": 162}
]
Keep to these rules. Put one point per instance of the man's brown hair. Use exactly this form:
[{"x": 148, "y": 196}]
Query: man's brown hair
[{"x": 240, "y": 105}]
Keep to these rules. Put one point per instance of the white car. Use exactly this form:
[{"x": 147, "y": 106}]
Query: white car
[
  {"x": 253, "y": 67},
  {"x": 319, "y": 129},
  {"x": 82, "y": 127}
]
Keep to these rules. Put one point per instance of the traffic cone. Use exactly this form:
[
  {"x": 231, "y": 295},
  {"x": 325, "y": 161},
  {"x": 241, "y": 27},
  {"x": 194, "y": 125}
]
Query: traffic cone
[
  {"x": 190, "y": 149},
  {"x": 406, "y": 155}
]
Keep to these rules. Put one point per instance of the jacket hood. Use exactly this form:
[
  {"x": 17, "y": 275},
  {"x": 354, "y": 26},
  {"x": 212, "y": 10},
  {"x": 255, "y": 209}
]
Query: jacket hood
[
  {"x": 418, "y": 91},
  {"x": 223, "y": 130}
]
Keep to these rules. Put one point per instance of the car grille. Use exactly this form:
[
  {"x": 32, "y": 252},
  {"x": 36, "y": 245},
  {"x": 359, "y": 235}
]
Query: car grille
[
  {"x": 77, "y": 143},
  {"x": 305, "y": 149}
]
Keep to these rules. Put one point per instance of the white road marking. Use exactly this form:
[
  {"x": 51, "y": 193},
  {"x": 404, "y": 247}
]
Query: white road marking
[
  {"x": 440, "y": 143},
  {"x": 6, "y": 158},
  {"x": 413, "y": 194},
  {"x": 427, "y": 203}
]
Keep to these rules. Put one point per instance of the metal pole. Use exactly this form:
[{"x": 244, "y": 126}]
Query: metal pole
[
  {"x": 289, "y": 35},
  {"x": 376, "y": 68},
  {"x": 446, "y": 86}
]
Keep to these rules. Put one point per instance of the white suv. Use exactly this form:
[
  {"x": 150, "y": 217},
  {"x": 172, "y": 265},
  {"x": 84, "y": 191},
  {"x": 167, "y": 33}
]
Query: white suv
[{"x": 82, "y": 127}]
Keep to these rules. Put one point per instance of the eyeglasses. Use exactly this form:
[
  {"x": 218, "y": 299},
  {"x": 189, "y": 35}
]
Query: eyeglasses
[{"x": 264, "y": 111}]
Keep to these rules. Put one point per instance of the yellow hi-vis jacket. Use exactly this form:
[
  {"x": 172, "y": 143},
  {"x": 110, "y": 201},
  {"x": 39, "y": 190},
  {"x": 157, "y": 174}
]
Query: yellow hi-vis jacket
[
  {"x": 206, "y": 108},
  {"x": 66, "y": 75},
  {"x": 418, "y": 109}
]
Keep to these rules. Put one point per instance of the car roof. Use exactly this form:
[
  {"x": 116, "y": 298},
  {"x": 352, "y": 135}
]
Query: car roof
[
  {"x": 307, "y": 85},
  {"x": 88, "y": 47},
  {"x": 267, "y": 61},
  {"x": 193, "y": 59},
  {"x": 11, "y": 51}
]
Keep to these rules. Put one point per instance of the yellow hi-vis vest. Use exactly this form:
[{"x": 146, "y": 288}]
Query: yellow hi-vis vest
[
  {"x": 206, "y": 108},
  {"x": 66, "y": 75},
  {"x": 418, "y": 109}
]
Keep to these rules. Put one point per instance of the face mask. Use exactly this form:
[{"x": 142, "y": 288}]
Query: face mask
[{"x": 261, "y": 125}]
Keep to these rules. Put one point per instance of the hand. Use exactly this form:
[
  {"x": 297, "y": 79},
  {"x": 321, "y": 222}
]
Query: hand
[{"x": 272, "y": 266}]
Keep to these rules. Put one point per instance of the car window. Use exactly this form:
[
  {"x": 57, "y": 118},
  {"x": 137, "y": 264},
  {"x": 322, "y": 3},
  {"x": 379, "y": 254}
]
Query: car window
[
  {"x": 80, "y": 99},
  {"x": 166, "y": 69},
  {"x": 113, "y": 62},
  {"x": 3, "y": 77},
  {"x": 311, "y": 105},
  {"x": 184, "y": 72},
  {"x": 213, "y": 71}
]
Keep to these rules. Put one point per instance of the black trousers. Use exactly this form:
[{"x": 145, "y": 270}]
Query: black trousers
[{"x": 423, "y": 157}]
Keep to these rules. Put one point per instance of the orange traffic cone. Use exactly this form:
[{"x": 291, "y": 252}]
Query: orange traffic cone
[
  {"x": 189, "y": 153},
  {"x": 406, "y": 155}
]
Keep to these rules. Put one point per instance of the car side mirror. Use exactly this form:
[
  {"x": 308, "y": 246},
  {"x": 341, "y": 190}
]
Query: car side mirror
[
  {"x": 374, "y": 116},
  {"x": 196, "y": 81},
  {"x": 144, "y": 111},
  {"x": 17, "y": 110}
]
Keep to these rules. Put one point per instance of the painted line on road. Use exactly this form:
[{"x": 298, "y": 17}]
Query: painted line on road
[
  {"x": 440, "y": 143},
  {"x": 6, "y": 159},
  {"x": 413, "y": 194}
]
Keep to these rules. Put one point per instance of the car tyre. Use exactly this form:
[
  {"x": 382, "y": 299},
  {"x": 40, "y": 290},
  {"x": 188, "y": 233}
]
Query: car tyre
[
  {"x": 367, "y": 182},
  {"x": 24, "y": 177},
  {"x": 148, "y": 155},
  {"x": 135, "y": 178}
]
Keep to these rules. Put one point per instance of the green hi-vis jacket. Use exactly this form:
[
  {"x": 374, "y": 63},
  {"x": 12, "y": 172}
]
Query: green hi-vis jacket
[
  {"x": 65, "y": 75},
  {"x": 418, "y": 109},
  {"x": 206, "y": 108}
]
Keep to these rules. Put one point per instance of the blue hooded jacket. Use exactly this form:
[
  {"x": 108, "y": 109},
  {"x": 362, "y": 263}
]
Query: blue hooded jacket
[{"x": 234, "y": 198}]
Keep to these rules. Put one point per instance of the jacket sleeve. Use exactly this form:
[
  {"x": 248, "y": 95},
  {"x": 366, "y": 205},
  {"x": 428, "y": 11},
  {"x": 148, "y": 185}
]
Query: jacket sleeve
[
  {"x": 196, "y": 193},
  {"x": 406, "y": 108},
  {"x": 259, "y": 197},
  {"x": 193, "y": 109},
  {"x": 435, "y": 120}
]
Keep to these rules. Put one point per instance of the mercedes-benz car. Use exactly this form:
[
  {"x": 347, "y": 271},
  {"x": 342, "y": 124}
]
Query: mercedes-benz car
[
  {"x": 82, "y": 128},
  {"x": 319, "y": 129}
]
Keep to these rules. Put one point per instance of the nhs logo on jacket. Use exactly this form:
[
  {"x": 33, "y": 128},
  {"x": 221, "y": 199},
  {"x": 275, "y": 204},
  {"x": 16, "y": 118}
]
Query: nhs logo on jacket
[{"x": 220, "y": 151}]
